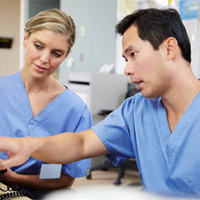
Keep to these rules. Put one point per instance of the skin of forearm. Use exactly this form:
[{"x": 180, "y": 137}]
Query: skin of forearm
[
  {"x": 33, "y": 182},
  {"x": 53, "y": 150},
  {"x": 67, "y": 147},
  {"x": 61, "y": 148}
]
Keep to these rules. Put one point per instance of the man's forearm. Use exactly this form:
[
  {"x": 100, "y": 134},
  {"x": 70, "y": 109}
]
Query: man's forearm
[{"x": 62, "y": 148}]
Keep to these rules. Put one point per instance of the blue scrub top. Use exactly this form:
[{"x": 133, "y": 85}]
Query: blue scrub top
[
  {"x": 66, "y": 113},
  {"x": 168, "y": 163}
]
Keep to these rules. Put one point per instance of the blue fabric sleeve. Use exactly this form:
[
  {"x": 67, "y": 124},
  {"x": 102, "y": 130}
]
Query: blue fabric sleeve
[{"x": 114, "y": 132}]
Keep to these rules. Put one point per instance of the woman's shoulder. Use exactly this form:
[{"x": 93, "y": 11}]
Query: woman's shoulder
[{"x": 10, "y": 79}]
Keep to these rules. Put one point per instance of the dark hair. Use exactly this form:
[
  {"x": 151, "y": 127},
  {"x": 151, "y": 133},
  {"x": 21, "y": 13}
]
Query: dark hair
[{"x": 156, "y": 25}]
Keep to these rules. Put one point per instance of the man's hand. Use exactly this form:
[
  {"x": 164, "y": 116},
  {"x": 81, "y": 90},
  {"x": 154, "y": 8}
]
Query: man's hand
[{"x": 18, "y": 150}]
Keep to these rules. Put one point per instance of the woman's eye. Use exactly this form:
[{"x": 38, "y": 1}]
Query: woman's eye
[
  {"x": 57, "y": 54},
  {"x": 38, "y": 46}
]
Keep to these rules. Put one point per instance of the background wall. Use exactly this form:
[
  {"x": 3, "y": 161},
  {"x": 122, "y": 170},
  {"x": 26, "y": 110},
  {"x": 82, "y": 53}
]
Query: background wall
[
  {"x": 95, "y": 42},
  {"x": 35, "y": 6},
  {"x": 10, "y": 26}
]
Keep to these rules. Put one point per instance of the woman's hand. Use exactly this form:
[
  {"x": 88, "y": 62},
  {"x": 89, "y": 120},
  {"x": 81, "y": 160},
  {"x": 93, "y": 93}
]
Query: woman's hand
[{"x": 8, "y": 177}]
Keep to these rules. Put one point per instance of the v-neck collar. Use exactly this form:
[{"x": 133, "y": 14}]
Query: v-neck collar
[
  {"x": 26, "y": 106},
  {"x": 171, "y": 141},
  {"x": 162, "y": 116}
]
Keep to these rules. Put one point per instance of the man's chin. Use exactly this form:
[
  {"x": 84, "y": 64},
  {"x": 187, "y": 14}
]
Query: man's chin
[{"x": 148, "y": 95}]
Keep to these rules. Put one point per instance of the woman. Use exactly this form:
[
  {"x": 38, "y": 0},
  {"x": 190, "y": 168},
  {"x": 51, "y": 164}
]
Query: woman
[{"x": 33, "y": 103}]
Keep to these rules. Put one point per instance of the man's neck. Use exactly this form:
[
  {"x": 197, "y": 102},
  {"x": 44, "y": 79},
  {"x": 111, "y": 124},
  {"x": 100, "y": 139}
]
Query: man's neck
[{"x": 179, "y": 99}]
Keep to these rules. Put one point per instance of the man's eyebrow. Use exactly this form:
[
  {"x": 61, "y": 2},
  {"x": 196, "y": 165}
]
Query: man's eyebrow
[{"x": 129, "y": 48}]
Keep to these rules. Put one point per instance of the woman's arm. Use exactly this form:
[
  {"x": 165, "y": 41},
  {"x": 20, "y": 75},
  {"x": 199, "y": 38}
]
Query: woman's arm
[{"x": 33, "y": 181}]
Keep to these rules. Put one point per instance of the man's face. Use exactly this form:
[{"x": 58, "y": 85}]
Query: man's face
[{"x": 145, "y": 66}]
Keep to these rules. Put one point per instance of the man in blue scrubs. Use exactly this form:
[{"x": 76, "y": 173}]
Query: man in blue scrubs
[{"x": 159, "y": 127}]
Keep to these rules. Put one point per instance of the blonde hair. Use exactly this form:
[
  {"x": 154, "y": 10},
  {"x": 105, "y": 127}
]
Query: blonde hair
[{"x": 54, "y": 20}]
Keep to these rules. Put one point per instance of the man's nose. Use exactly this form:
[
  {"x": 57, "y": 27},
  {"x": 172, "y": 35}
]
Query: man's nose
[{"x": 129, "y": 69}]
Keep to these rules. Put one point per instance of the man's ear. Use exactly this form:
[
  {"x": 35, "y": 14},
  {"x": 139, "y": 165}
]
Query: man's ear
[{"x": 171, "y": 48}]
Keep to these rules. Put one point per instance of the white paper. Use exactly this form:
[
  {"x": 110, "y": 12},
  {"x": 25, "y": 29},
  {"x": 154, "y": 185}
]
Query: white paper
[{"x": 50, "y": 171}]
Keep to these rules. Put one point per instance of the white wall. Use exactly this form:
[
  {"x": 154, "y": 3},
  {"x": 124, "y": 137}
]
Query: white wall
[
  {"x": 95, "y": 35},
  {"x": 10, "y": 26}
]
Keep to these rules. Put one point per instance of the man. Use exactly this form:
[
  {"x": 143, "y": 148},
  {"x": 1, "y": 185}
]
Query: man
[{"x": 159, "y": 127}]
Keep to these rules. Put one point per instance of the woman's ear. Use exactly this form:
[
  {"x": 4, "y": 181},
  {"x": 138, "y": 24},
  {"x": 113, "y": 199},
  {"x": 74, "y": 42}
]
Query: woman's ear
[
  {"x": 171, "y": 47},
  {"x": 25, "y": 38}
]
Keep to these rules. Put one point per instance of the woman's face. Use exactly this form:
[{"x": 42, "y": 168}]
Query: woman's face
[{"x": 44, "y": 52}]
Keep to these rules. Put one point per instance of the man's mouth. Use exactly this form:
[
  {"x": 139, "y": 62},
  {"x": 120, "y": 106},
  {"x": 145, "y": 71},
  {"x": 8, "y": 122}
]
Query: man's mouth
[{"x": 136, "y": 82}]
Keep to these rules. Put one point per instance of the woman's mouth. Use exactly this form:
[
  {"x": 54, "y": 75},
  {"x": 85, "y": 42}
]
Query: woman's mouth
[{"x": 40, "y": 68}]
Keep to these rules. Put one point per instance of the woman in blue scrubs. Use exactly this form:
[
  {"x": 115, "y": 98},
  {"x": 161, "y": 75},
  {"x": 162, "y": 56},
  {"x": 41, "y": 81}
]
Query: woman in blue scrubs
[
  {"x": 159, "y": 127},
  {"x": 34, "y": 104}
]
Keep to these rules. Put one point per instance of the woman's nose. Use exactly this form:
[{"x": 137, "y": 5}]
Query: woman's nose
[{"x": 45, "y": 56}]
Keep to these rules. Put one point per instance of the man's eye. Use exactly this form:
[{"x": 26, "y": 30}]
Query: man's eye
[
  {"x": 132, "y": 54},
  {"x": 124, "y": 58}
]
